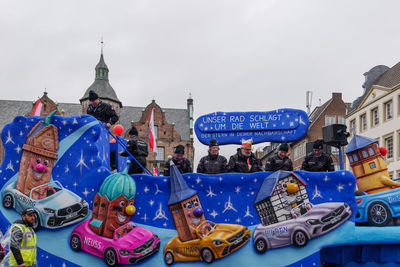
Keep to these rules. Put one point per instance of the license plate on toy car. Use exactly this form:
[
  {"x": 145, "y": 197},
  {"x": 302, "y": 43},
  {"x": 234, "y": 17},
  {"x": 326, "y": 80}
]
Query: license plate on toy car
[
  {"x": 69, "y": 216},
  {"x": 237, "y": 241},
  {"x": 147, "y": 251}
]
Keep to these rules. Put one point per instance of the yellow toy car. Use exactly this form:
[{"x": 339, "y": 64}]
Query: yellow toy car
[{"x": 214, "y": 241}]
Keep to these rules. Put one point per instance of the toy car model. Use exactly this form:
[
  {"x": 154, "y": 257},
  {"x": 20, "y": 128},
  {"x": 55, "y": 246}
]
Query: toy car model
[
  {"x": 130, "y": 243},
  {"x": 378, "y": 209},
  {"x": 314, "y": 221},
  {"x": 214, "y": 241},
  {"x": 60, "y": 207}
]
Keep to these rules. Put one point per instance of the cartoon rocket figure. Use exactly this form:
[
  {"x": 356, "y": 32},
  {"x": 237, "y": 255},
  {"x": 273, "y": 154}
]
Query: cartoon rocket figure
[
  {"x": 368, "y": 165},
  {"x": 39, "y": 154},
  {"x": 113, "y": 204},
  {"x": 184, "y": 205}
]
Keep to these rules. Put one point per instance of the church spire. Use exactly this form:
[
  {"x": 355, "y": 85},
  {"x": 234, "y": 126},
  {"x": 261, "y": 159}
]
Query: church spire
[{"x": 101, "y": 67}]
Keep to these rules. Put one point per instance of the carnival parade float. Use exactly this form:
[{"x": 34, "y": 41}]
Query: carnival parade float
[{"x": 60, "y": 166}]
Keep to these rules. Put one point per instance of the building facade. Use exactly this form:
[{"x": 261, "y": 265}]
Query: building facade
[
  {"x": 376, "y": 114},
  {"x": 173, "y": 126},
  {"x": 331, "y": 112}
]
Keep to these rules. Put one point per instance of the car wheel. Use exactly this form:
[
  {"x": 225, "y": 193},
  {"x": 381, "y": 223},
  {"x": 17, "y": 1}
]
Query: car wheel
[
  {"x": 379, "y": 214},
  {"x": 8, "y": 202},
  {"x": 169, "y": 258},
  {"x": 36, "y": 224},
  {"x": 300, "y": 238},
  {"x": 110, "y": 256},
  {"x": 207, "y": 255},
  {"x": 260, "y": 245},
  {"x": 75, "y": 243}
]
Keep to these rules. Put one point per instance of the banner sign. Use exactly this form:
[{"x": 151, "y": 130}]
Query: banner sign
[{"x": 282, "y": 125}]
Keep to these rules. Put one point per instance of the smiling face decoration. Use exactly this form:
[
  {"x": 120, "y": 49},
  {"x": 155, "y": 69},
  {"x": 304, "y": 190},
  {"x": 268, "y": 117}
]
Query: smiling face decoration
[
  {"x": 39, "y": 154},
  {"x": 193, "y": 212},
  {"x": 116, "y": 215}
]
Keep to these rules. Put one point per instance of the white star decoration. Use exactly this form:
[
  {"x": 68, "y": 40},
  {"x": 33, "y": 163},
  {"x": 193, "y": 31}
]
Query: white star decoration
[
  {"x": 9, "y": 138},
  {"x": 210, "y": 193},
  {"x": 340, "y": 187},
  {"x": 214, "y": 214}
]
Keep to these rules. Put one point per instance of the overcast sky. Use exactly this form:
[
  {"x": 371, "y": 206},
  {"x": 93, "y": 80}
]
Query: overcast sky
[{"x": 230, "y": 55}]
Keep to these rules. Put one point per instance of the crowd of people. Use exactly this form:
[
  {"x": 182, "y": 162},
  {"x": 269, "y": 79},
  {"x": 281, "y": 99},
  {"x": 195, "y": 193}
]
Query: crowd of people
[{"x": 243, "y": 161}]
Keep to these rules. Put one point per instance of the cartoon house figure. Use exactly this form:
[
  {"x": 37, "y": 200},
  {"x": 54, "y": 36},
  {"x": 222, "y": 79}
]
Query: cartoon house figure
[
  {"x": 185, "y": 206},
  {"x": 281, "y": 197},
  {"x": 38, "y": 156},
  {"x": 109, "y": 205},
  {"x": 368, "y": 165}
]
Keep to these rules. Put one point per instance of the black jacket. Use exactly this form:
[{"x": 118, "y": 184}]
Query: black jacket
[
  {"x": 138, "y": 148},
  {"x": 322, "y": 163},
  {"x": 238, "y": 163},
  {"x": 184, "y": 166},
  {"x": 275, "y": 163},
  {"x": 212, "y": 164},
  {"x": 103, "y": 112},
  {"x": 15, "y": 241}
]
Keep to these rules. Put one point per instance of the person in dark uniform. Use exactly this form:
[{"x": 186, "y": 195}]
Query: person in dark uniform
[
  {"x": 138, "y": 148},
  {"x": 182, "y": 163},
  {"x": 280, "y": 161},
  {"x": 318, "y": 161},
  {"x": 213, "y": 163},
  {"x": 244, "y": 160},
  {"x": 101, "y": 110}
]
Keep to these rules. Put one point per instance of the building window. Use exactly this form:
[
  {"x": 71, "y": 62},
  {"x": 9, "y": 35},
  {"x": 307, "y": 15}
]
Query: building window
[
  {"x": 374, "y": 117},
  {"x": 353, "y": 127},
  {"x": 371, "y": 151},
  {"x": 398, "y": 174},
  {"x": 388, "y": 110},
  {"x": 160, "y": 153},
  {"x": 389, "y": 147},
  {"x": 355, "y": 157},
  {"x": 351, "y": 158},
  {"x": 363, "y": 122},
  {"x": 330, "y": 120},
  {"x": 341, "y": 120},
  {"x": 364, "y": 153}
]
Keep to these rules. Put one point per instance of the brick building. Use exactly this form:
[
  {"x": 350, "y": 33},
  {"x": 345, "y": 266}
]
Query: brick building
[
  {"x": 173, "y": 126},
  {"x": 331, "y": 112}
]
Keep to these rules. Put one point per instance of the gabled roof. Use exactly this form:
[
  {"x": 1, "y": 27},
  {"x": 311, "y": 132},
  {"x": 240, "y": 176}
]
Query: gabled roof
[
  {"x": 390, "y": 78},
  {"x": 358, "y": 142},
  {"x": 317, "y": 112},
  {"x": 179, "y": 190},
  {"x": 269, "y": 183}
]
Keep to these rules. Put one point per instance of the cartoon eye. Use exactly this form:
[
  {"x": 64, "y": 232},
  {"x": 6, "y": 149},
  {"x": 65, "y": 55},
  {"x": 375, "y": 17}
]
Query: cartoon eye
[
  {"x": 46, "y": 163},
  {"x": 189, "y": 206},
  {"x": 96, "y": 204},
  {"x": 284, "y": 185},
  {"x": 131, "y": 203},
  {"x": 103, "y": 205},
  {"x": 38, "y": 160},
  {"x": 196, "y": 204},
  {"x": 292, "y": 181},
  {"x": 122, "y": 203}
]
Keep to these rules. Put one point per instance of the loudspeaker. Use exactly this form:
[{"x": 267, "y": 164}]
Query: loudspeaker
[
  {"x": 335, "y": 134},
  {"x": 309, "y": 148}
]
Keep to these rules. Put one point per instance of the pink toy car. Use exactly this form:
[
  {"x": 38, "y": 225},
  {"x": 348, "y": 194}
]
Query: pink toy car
[{"x": 130, "y": 243}]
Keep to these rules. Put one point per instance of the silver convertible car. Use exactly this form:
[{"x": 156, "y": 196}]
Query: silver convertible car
[{"x": 318, "y": 220}]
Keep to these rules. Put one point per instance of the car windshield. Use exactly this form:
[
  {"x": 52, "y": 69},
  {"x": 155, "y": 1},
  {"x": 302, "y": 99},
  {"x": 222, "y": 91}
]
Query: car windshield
[
  {"x": 206, "y": 228},
  {"x": 125, "y": 229},
  {"x": 301, "y": 209}
]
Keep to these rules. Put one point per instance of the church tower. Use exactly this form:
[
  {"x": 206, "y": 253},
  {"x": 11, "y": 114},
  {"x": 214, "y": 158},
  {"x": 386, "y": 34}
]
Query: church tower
[{"x": 102, "y": 87}]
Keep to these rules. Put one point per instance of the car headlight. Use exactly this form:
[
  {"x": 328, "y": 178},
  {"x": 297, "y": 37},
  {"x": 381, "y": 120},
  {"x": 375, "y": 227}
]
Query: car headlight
[
  {"x": 124, "y": 252},
  {"x": 217, "y": 242},
  {"x": 313, "y": 222},
  {"x": 50, "y": 211}
]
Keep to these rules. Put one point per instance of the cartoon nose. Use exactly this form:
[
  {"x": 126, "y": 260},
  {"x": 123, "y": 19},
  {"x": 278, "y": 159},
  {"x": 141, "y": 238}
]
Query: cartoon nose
[
  {"x": 198, "y": 212},
  {"x": 130, "y": 210},
  {"x": 40, "y": 168},
  {"x": 292, "y": 188}
]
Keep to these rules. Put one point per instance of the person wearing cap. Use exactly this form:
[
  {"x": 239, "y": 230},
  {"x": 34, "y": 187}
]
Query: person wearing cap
[
  {"x": 244, "y": 160},
  {"x": 138, "y": 148},
  {"x": 181, "y": 162},
  {"x": 213, "y": 163},
  {"x": 280, "y": 161},
  {"x": 318, "y": 160},
  {"x": 101, "y": 110},
  {"x": 23, "y": 240}
]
